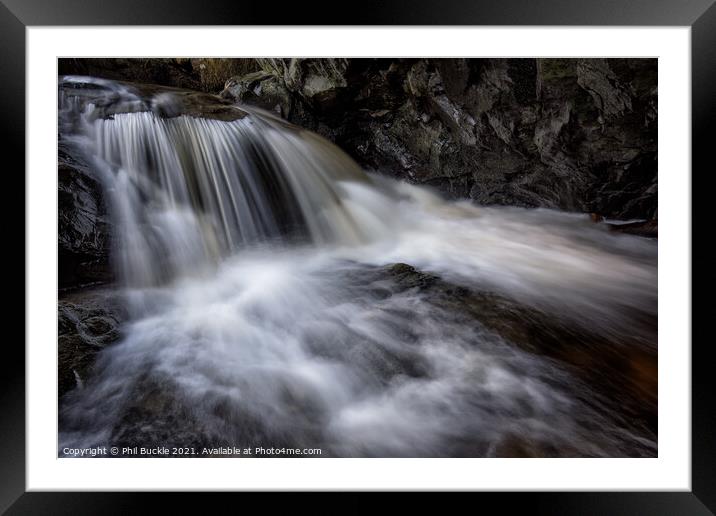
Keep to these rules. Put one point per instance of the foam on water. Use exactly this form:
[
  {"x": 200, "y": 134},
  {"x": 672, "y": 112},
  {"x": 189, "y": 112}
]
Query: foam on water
[{"x": 252, "y": 255}]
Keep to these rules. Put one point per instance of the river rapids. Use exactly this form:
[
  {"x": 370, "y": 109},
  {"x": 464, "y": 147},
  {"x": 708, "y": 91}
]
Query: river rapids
[{"x": 280, "y": 296}]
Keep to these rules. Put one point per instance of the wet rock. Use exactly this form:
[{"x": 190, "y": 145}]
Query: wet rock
[
  {"x": 164, "y": 102},
  {"x": 314, "y": 79},
  {"x": 260, "y": 89},
  {"x": 628, "y": 189},
  {"x": 83, "y": 226},
  {"x": 610, "y": 96},
  {"x": 647, "y": 228},
  {"x": 157, "y": 413},
  {"x": 643, "y": 228},
  {"x": 169, "y": 104},
  {"x": 88, "y": 321},
  {"x": 156, "y": 417},
  {"x": 622, "y": 370}
]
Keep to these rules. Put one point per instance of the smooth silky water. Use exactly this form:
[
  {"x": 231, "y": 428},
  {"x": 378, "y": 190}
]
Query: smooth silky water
[{"x": 254, "y": 258}]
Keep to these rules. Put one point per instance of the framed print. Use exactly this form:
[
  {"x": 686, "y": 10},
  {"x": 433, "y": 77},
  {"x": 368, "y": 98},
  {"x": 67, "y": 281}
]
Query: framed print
[{"x": 393, "y": 251}]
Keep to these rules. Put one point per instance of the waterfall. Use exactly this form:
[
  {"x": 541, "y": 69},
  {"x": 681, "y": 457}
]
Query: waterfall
[
  {"x": 268, "y": 309},
  {"x": 186, "y": 190}
]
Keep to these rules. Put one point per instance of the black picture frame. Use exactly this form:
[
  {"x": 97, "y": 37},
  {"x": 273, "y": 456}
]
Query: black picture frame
[{"x": 700, "y": 15}]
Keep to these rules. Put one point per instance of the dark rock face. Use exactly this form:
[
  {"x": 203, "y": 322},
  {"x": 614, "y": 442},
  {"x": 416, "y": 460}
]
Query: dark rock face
[
  {"x": 574, "y": 134},
  {"x": 623, "y": 372},
  {"x": 88, "y": 321},
  {"x": 83, "y": 225}
]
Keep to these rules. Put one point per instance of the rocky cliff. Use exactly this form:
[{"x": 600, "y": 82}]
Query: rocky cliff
[{"x": 573, "y": 134}]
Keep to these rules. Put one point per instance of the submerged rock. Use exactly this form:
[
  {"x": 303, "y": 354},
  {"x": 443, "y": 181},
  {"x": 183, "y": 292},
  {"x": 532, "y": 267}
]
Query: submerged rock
[
  {"x": 156, "y": 417},
  {"x": 623, "y": 371},
  {"x": 88, "y": 321}
]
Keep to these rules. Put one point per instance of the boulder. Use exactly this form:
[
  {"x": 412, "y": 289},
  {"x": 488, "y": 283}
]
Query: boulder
[
  {"x": 260, "y": 89},
  {"x": 88, "y": 321}
]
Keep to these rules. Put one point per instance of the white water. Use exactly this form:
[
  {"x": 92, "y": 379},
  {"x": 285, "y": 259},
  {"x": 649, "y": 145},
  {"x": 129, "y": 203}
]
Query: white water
[{"x": 252, "y": 255}]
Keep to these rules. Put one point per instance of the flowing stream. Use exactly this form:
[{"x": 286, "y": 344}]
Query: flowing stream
[{"x": 258, "y": 263}]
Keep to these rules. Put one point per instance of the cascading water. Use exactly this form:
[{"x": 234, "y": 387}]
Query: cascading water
[{"x": 257, "y": 261}]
